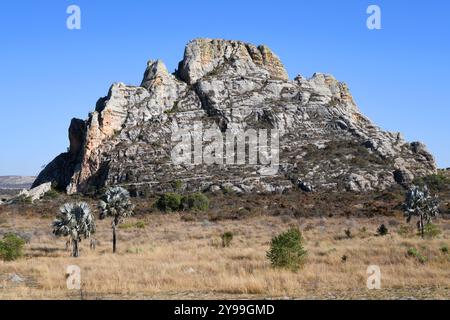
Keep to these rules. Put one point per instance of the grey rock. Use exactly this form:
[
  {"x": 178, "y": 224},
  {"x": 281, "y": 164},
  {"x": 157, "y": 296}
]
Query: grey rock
[
  {"x": 403, "y": 177},
  {"x": 207, "y": 223},
  {"x": 231, "y": 85},
  {"x": 37, "y": 192},
  {"x": 305, "y": 186},
  {"x": 214, "y": 189},
  {"x": 359, "y": 183},
  {"x": 15, "y": 278},
  {"x": 205, "y": 57},
  {"x": 190, "y": 270}
]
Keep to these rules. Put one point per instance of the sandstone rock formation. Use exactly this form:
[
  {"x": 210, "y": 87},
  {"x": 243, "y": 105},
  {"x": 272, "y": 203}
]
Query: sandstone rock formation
[
  {"x": 38, "y": 192},
  {"x": 325, "y": 141}
]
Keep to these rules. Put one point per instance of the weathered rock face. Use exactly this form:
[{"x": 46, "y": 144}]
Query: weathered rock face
[
  {"x": 325, "y": 142},
  {"x": 37, "y": 192}
]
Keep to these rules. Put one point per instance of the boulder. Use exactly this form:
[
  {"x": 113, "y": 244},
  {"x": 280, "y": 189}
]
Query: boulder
[{"x": 37, "y": 192}]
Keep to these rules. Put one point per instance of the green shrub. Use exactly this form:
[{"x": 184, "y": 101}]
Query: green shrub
[
  {"x": 348, "y": 233},
  {"x": 11, "y": 247},
  {"x": 413, "y": 252},
  {"x": 382, "y": 230},
  {"x": 169, "y": 202},
  {"x": 444, "y": 249},
  {"x": 431, "y": 231},
  {"x": 227, "y": 237},
  {"x": 22, "y": 200},
  {"x": 197, "y": 201},
  {"x": 175, "y": 202},
  {"x": 51, "y": 194},
  {"x": 177, "y": 185},
  {"x": 125, "y": 226},
  {"x": 140, "y": 225},
  {"x": 228, "y": 190},
  {"x": 436, "y": 182},
  {"x": 135, "y": 250},
  {"x": 286, "y": 250}
]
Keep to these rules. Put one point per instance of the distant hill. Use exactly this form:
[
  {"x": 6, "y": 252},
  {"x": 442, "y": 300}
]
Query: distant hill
[{"x": 16, "y": 182}]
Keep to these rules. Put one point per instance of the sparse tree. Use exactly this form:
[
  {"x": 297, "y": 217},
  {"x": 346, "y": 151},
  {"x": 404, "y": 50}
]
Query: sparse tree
[
  {"x": 382, "y": 230},
  {"x": 116, "y": 204},
  {"x": 419, "y": 203},
  {"x": 76, "y": 221}
]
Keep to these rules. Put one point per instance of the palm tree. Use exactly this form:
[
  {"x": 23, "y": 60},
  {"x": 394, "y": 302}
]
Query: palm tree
[
  {"x": 75, "y": 220},
  {"x": 116, "y": 203},
  {"x": 419, "y": 203}
]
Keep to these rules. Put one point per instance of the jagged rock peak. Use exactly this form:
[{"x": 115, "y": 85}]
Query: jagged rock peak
[
  {"x": 155, "y": 73},
  {"x": 204, "y": 56},
  {"x": 325, "y": 142}
]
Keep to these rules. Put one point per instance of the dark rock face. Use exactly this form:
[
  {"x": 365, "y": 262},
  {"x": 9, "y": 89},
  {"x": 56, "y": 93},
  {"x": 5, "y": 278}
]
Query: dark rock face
[
  {"x": 61, "y": 169},
  {"x": 325, "y": 142}
]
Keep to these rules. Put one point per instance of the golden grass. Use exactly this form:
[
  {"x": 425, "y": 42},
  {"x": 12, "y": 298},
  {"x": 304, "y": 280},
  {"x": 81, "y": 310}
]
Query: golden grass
[{"x": 173, "y": 259}]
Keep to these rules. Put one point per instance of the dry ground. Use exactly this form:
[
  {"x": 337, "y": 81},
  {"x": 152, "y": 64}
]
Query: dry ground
[{"x": 172, "y": 258}]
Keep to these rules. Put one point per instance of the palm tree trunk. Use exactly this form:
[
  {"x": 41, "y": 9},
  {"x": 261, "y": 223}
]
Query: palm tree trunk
[
  {"x": 422, "y": 231},
  {"x": 114, "y": 238},
  {"x": 75, "y": 251}
]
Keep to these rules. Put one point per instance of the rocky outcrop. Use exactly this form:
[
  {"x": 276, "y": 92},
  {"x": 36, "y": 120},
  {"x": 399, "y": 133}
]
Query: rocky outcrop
[
  {"x": 37, "y": 192},
  {"x": 33, "y": 194},
  {"x": 325, "y": 142},
  {"x": 207, "y": 57}
]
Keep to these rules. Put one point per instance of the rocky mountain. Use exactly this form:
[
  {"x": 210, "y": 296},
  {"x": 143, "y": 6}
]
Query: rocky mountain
[{"x": 325, "y": 142}]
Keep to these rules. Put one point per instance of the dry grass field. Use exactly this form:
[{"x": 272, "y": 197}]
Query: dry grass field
[{"x": 166, "y": 256}]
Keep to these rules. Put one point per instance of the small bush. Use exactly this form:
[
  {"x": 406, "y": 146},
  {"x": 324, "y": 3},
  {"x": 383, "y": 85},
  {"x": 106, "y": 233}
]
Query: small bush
[
  {"x": 227, "y": 237},
  {"x": 22, "y": 200},
  {"x": 382, "y": 230},
  {"x": 125, "y": 226},
  {"x": 431, "y": 231},
  {"x": 11, "y": 247},
  {"x": 176, "y": 202},
  {"x": 413, "y": 252},
  {"x": 228, "y": 190},
  {"x": 436, "y": 182},
  {"x": 51, "y": 194},
  {"x": 135, "y": 250},
  {"x": 348, "y": 233},
  {"x": 196, "y": 201},
  {"x": 169, "y": 202},
  {"x": 286, "y": 250},
  {"x": 444, "y": 249},
  {"x": 140, "y": 225},
  {"x": 344, "y": 258},
  {"x": 177, "y": 185}
]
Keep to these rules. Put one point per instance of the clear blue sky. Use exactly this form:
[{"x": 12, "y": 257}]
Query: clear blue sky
[{"x": 399, "y": 75}]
